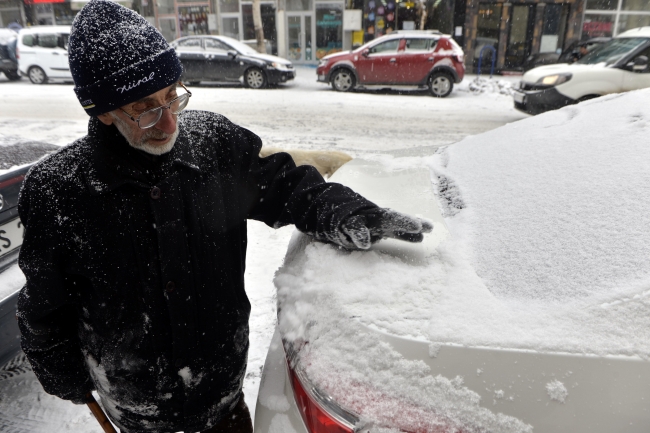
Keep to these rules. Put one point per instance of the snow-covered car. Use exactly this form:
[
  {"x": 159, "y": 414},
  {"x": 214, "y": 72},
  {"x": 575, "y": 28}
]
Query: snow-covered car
[
  {"x": 619, "y": 65},
  {"x": 526, "y": 310},
  {"x": 224, "y": 59},
  {"x": 42, "y": 53},
  {"x": 402, "y": 58}
]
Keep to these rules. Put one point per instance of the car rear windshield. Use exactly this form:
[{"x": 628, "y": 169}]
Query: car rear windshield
[{"x": 612, "y": 51}]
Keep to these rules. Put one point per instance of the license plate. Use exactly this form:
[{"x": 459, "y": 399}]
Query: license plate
[
  {"x": 519, "y": 97},
  {"x": 11, "y": 236}
]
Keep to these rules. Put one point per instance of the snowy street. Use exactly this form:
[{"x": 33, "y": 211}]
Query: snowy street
[{"x": 303, "y": 114}]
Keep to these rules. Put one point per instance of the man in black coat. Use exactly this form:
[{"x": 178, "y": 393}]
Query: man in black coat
[{"x": 135, "y": 238}]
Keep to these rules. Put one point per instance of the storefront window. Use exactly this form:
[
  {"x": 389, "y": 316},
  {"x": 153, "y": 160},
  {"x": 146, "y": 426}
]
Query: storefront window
[
  {"x": 10, "y": 16},
  {"x": 329, "y": 29},
  {"x": 308, "y": 53},
  {"x": 299, "y": 5},
  {"x": 598, "y": 26},
  {"x": 229, "y": 6},
  {"x": 193, "y": 20},
  {"x": 165, "y": 7},
  {"x": 487, "y": 32},
  {"x": 554, "y": 27},
  {"x": 521, "y": 35},
  {"x": 602, "y": 5},
  {"x": 380, "y": 18},
  {"x": 63, "y": 14},
  {"x": 231, "y": 27},
  {"x": 295, "y": 45},
  {"x": 627, "y": 22},
  {"x": 636, "y": 5},
  {"x": 168, "y": 28},
  {"x": 43, "y": 14}
]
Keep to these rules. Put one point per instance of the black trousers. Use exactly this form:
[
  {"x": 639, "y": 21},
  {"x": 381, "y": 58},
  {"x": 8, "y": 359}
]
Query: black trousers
[{"x": 237, "y": 421}]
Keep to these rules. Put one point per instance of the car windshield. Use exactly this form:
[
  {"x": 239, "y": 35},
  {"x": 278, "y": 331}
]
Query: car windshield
[
  {"x": 239, "y": 46},
  {"x": 612, "y": 51}
]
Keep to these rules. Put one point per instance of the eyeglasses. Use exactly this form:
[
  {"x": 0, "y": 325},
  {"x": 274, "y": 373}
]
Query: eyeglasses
[{"x": 150, "y": 117}]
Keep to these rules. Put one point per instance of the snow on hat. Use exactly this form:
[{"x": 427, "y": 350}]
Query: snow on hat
[{"x": 116, "y": 57}]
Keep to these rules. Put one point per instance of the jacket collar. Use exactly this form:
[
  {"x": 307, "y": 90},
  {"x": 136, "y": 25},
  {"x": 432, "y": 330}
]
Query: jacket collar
[{"x": 113, "y": 162}]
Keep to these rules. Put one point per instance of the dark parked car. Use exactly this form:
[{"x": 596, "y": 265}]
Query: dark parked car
[
  {"x": 224, "y": 59},
  {"x": 415, "y": 58},
  {"x": 11, "y": 237},
  {"x": 11, "y": 230},
  {"x": 8, "y": 61},
  {"x": 573, "y": 53}
]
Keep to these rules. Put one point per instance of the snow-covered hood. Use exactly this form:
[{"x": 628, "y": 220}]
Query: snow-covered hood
[
  {"x": 335, "y": 56},
  {"x": 575, "y": 69}
]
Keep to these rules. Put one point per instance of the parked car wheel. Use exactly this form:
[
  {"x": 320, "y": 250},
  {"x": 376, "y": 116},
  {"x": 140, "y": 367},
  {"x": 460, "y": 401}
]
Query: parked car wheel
[
  {"x": 343, "y": 80},
  {"x": 37, "y": 75},
  {"x": 255, "y": 78},
  {"x": 12, "y": 75},
  {"x": 441, "y": 84}
]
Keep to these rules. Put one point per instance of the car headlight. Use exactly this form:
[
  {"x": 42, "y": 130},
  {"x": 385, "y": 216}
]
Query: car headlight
[
  {"x": 278, "y": 66},
  {"x": 323, "y": 62},
  {"x": 554, "y": 80}
]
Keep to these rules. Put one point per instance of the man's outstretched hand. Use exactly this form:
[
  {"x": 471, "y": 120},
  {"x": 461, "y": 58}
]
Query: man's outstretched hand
[{"x": 361, "y": 230}]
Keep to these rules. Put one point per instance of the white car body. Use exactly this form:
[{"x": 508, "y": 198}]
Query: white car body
[
  {"x": 585, "y": 81},
  {"x": 545, "y": 391},
  {"x": 50, "y": 55}
]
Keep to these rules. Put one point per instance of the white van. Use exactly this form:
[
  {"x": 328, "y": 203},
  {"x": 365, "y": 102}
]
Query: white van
[
  {"x": 617, "y": 66},
  {"x": 42, "y": 53}
]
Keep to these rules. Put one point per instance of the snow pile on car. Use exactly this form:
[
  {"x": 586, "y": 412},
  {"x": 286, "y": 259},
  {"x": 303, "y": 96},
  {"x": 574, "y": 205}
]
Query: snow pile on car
[{"x": 548, "y": 252}]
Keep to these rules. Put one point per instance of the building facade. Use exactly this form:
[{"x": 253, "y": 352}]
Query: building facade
[
  {"x": 11, "y": 11},
  {"x": 517, "y": 29},
  {"x": 306, "y": 30}
]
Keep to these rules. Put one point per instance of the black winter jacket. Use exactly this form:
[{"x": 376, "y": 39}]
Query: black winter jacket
[{"x": 135, "y": 271}]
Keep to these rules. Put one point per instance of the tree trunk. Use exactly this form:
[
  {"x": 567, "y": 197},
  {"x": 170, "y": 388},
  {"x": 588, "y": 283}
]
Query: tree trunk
[
  {"x": 259, "y": 30},
  {"x": 423, "y": 14}
]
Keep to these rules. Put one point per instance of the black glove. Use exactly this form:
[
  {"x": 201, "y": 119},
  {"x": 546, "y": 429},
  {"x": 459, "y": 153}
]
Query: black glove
[{"x": 360, "y": 230}]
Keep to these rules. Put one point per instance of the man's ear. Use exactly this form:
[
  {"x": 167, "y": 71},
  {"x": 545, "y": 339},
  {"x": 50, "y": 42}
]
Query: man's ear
[{"x": 106, "y": 119}]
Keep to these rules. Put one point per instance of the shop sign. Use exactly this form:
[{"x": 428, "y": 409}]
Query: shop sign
[{"x": 597, "y": 27}]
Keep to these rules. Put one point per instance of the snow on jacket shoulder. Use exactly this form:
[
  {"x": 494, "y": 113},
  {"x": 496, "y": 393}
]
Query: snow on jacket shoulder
[{"x": 135, "y": 271}]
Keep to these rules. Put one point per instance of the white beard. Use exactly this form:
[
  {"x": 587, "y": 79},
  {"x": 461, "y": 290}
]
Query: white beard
[{"x": 142, "y": 144}]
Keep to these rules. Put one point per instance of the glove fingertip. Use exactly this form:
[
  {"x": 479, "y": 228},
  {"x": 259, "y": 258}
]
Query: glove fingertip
[{"x": 427, "y": 225}]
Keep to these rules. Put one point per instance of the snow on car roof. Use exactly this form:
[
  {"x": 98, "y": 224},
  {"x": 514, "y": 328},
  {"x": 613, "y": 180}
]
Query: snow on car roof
[{"x": 548, "y": 252}]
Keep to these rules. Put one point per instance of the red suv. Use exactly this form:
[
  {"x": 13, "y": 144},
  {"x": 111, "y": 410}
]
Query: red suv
[{"x": 411, "y": 58}]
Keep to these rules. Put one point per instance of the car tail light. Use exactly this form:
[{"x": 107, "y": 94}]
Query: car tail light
[
  {"x": 319, "y": 412},
  {"x": 17, "y": 52},
  {"x": 460, "y": 58}
]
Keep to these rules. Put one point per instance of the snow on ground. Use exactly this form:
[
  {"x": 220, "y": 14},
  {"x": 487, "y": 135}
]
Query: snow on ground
[{"x": 303, "y": 114}]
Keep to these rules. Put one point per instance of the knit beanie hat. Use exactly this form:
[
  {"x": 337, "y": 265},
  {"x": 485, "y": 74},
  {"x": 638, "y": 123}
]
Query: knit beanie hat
[{"x": 116, "y": 57}]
